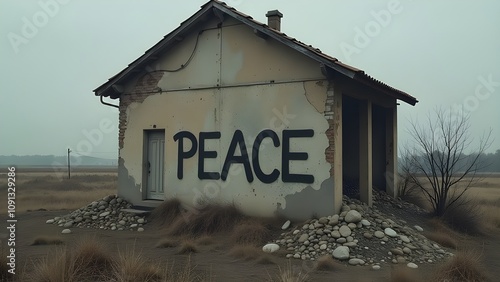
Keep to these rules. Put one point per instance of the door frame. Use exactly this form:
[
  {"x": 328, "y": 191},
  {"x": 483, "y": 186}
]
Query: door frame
[{"x": 145, "y": 157}]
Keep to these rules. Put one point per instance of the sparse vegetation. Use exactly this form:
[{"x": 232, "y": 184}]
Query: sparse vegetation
[
  {"x": 288, "y": 274},
  {"x": 187, "y": 247},
  {"x": 462, "y": 267},
  {"x": 442, "y": 238},
  {"x": 327, "y": 263},
  {"x": 252, "y": 232},
  {"x": 403, "y": 274},
  {"x": 44, "y": 240},
  {"x": 438, "y": 154},
  {"x": 246, "y": 252},
  {"x": 167, "y": 243},
  {"x": 211, "y": 219},
  {"x": 166, "y": 213}
]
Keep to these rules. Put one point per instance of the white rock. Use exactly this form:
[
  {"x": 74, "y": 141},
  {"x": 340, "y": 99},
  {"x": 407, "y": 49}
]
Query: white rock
[
  {"x": 365, "y": 222},
  {"x": 285, "y": 225},
  {"x": 341, "y": 253},
  {"x": 140, "y": 220},
  {"x": 379, "y": 234},
  {"x": 66, "y": 231},
  {"x": 356, "y": 261},
  {"x": 404, "y": 239},
  {"x": 270, "y": 248},
  {"x": 352, "y": 216},
  {"x": 140, "y": 229},
  {"x": 412, "y": 265},
  {"x": 390, "y": 232},
  {"x": 133, "y": 225},
  {"x": 303, "y": 238},
  {"x": 345, "y": 231},
  {"x": 49, "y": 221},
  {"x": 418, "y": 228},
  {"x": 376, "y": 267},
  {"x": 103, "y": 214}
]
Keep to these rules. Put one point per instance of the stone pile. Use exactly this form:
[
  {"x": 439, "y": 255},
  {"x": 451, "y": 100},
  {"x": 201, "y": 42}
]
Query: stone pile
[
  {"x": 361, "y": 235},
  {"x": 104, "y": 214}
]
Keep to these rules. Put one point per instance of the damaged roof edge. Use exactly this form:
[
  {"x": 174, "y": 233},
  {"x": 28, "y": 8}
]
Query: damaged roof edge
[{"x": 308, "y": 50}]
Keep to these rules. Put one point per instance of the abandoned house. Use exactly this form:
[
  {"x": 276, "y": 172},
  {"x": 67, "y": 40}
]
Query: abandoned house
[{"x": 228, "y": 110}]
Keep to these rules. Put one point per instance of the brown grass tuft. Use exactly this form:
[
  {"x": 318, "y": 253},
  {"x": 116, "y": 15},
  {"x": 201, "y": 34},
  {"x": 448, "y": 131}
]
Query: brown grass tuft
[
  {"x": 205, "y": 241},
  {"x": 327, "y": 263},
  {"x": 289, "y": 274},
  {"x": 442, "y": 238},
  {"x": 211, "y": 219},
  {"x": 246, "y": 252},
  {"x": 403, "y": 274},
  {"x": 462, "y": 267},
  {"x": 250, "y": 232},
  {"x": 167, "y": 243},
  {"x": 465, "y": 217},
  {"x": 187, "y": 247},
  {"x": 88, "y": 260},
  {"x": 47, "y": 241},
  {"x": 132, "y": 266},
  {"x": 166, "y": 213}
]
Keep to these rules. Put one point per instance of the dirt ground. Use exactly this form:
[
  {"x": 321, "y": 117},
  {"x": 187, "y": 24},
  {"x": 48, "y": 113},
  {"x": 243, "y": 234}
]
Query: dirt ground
[{"x": 213, "y": 260}]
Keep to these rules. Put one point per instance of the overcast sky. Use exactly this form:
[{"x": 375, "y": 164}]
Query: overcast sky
[{"x": 55, "y": 52}]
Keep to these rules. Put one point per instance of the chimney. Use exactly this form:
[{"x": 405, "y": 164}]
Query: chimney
[{"x": 274, "y": 19}]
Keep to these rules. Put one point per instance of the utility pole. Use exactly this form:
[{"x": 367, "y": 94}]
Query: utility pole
[{"x": 69, "y": 165}]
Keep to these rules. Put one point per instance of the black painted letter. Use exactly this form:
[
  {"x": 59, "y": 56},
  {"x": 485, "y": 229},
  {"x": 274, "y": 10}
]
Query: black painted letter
[
  {"x": 265, "y": 178},
  {"x": 295, "y": 156},
  {"x": 202, "y": 155},
  {"x": 231, "y": 158},
  {"x": 184, "y": 155}
]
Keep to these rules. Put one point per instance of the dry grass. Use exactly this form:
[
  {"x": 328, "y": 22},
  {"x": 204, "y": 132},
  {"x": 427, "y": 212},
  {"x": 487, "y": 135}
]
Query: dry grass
[
  {"x": 462, "y": 267},
  {"x": 246, "y": 252},
  {"x": 465, "y": 216},
  {"x": 187, "y": 247},
  {"x": 403, "y": 274},
  {"x": 211, "y": 219},
  {"x": 166, "y": 213},
  {"x": 289, "y": 274},
  {"x": 250, "y": 232},
  {"x": 442, "y": 238},
  {"x": 45, "y": 190},
  {"x": 44, "y": 240},
  {"x": 327, "y": 263},
  {"x": 88, "y": 260},
  {"x": 167, "y": 243},
  {"x": 205, "y": 241},
  {"x": 133, "y": 266}
]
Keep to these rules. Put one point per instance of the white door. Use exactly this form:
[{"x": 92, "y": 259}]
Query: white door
[{"x": 154, "y": 165}]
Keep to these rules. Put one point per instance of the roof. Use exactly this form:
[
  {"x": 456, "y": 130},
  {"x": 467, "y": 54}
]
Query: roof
[{"x": 330, "y": 63}]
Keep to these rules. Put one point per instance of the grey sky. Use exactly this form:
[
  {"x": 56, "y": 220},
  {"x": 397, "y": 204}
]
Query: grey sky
[{"x": 441, "y": 52}]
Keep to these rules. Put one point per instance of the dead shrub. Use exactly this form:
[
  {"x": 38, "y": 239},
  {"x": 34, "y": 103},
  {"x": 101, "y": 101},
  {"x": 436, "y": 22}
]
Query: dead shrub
[
  {"x": 250, "y": 232},
  {"x": 93, "y": 256},
  {"x": 403, "y": 274},
  {"x": 58, "y": 266},
  {"x": 211, "y": 219},
  {"x": 205, "y": 241},
  {"x": 327, "y": 263},
  {"x": 47, "y": 241},
  {"x": 462, "y": 267},
  {"x": 166, "y": 213}
]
